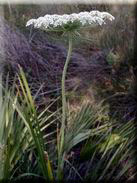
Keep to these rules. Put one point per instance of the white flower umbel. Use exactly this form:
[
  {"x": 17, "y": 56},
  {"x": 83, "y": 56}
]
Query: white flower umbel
[{"x": 68, "y": 24}]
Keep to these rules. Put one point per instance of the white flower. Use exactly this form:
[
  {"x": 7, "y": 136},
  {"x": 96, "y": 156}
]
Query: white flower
[
  {"x": 105, "y": 16},
  {"x": 50, "y": 22},
  {"x": 30, "y": 22}
]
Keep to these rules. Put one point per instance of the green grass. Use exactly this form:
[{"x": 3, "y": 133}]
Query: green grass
[
  {"x": 90, "y": 128},
  {"x": 29, "y": 136}
]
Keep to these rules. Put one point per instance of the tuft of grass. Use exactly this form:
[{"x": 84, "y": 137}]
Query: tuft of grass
[
  {"x": 96, "y": 147},
  {"x": 14, "y": 137}
]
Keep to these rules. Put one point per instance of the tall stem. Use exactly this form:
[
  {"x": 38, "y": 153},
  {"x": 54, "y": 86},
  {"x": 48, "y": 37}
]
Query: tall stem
[
  {"x": 63, "y": 82},
  {"x": 61, "y": 154}
]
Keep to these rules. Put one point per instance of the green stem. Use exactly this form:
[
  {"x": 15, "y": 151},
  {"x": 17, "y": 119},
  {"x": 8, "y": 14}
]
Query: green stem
[
  {"x": 61, "y": 154},
  {"x": 64, "y": 106}
]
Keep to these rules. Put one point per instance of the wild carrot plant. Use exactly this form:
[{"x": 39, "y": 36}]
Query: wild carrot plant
[{"x": 70, "y": 25}]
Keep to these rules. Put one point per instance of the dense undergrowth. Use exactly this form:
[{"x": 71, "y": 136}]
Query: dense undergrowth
[{"x": 101, "y": 100}]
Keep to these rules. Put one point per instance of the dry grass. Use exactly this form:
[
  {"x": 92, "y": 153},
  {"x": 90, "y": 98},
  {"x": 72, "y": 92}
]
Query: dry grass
[
  {"x": 100, "y": 68},
  {"x": 106, "y": 52}
]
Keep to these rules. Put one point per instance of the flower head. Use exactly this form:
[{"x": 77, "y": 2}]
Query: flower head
[
  {"x": 30, "y": 22},
  {"x": 70, "y": 22}
]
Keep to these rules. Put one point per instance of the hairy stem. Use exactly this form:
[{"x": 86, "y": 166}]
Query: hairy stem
[
  {"x": 64, "y": 106},
  {"x": 61, "y": 154}
]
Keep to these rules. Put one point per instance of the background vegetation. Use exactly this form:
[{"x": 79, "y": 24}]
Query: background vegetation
[{"x": 101, "y": 98}]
